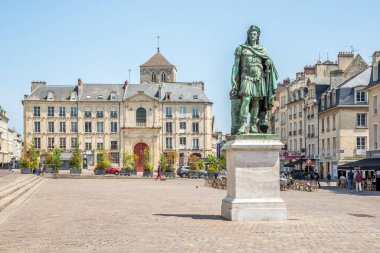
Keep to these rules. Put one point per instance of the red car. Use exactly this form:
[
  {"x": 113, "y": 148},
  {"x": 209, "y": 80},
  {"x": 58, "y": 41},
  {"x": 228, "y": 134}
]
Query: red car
[{"x": 115, "y": 171}]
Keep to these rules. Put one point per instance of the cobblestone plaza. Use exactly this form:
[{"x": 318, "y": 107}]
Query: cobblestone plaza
[{"x": 181, "y": 215}]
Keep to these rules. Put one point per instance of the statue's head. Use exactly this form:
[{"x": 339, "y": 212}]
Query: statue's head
[{"x": 253, "y": 33}]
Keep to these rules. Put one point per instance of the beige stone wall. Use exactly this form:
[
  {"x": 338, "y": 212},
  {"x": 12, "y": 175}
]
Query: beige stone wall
[{"x": 374, "y": 117}]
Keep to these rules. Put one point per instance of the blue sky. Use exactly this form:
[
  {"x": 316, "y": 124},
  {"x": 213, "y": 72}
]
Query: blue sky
[{"x": 98, "y": 41}]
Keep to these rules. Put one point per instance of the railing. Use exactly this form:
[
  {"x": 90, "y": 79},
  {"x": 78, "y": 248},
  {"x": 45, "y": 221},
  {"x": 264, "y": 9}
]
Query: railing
[
  {"x": 290, "y": 133},
  {"x": 294, "y": 132},
  {"x": 140, "y": 124},
  {"x": 295, "y": 115},
  {"x": 290, "y": 116},
  {"x": 300, "y": 131}
]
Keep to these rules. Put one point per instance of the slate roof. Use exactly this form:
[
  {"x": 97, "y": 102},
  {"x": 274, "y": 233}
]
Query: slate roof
[
  {"x": 157, "y": 60},
  {"x": 180, "y": 92},
  {"x": 61, "y": 92},
  {"x": 91, "y": 92},
  {"x": 320, "y": 80}
]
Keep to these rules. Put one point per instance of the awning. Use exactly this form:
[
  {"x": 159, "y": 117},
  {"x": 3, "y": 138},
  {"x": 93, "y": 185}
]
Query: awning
[{"x": 364, "y": 164}]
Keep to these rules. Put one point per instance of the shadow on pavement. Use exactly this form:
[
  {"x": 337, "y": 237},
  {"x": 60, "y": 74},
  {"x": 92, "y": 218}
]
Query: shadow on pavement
[
  {"x": 346, "y": 191},
  {"x": 193, "y": 216}
]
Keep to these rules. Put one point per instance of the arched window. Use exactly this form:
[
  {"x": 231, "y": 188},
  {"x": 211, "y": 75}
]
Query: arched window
[
  {"x": 154, "y": 78},
  {"x": 163, "y": 77},
  {"x": 141, "y": 115}
]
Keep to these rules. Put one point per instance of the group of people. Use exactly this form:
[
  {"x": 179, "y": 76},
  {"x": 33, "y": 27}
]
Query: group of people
[{"x": 354, "y": 177}]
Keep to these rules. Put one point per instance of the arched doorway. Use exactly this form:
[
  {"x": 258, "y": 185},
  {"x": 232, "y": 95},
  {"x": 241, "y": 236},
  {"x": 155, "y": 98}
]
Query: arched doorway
[{"x": 139, "y": 150}]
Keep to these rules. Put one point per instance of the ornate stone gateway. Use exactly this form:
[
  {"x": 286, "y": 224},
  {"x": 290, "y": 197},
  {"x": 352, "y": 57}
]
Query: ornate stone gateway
[
  {"x": 253, "y": 182},
  {"x": 139, "y": 150}
]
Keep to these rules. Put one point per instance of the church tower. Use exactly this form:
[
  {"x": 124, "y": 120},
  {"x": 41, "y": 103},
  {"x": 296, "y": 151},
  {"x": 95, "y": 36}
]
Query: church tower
[{"x": 158, "y": 69}]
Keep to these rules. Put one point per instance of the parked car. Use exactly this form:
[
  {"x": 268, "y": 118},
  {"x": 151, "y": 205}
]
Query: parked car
[
  {"x": 184, "y": 171},
  {"x": 115, "y": 171}
]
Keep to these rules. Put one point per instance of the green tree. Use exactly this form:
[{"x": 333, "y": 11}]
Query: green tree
[
  {"x": 30, "y": 157},
  {"x": 148, "y": 165},
  {"x": 76, "y": 159},
  {"x": 103, "y": 160},
  {"x": 129, "y": 160},
  {"x": 222, "y": 162},
  {"x": 213, "y": 163},
  {"x": 54, "y": 159}
]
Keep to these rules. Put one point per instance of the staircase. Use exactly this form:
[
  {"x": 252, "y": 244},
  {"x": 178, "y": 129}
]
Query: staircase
[{"x": 13, "y": 187}]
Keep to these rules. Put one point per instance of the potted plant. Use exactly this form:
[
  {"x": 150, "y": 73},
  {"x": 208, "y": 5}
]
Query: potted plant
[
  {"x": 102, "y": 164},
  {"x": 166, "y": 162},
  {"x": 128, "y": 163},
  {"x": 76, "y": 162},
  {"x": 29, "y": 159},
  {"x": 148, "y": 165}
]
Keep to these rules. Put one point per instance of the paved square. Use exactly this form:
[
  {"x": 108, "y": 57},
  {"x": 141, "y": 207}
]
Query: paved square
[{"x": 143, "y": 215}]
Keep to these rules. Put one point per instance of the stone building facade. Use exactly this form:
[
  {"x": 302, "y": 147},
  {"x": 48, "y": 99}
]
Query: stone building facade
[
  {"x": 158, "y": 114},
  {"x": 10, "y": 141}
]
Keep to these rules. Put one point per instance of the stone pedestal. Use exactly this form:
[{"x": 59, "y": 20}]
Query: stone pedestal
[{"x": 253, "y": 182}]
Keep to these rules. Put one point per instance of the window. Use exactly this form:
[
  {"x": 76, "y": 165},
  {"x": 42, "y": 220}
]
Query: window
[
  {"x": 74, "y": 142},
  {"x": 168, "y": 95},
  {"x": 360, "y": 143},
  {"x": 113, "y": 144},
  {"x": 50, "y": 111},
  {"x": 113, "y": 113},
  {"x": 99, "y": 113},
  {"x": 73, "y": 96},
  {"x": 182, "y": 142},
  {"x": 50, "y": 142},
  {"x": 50, "y": 127},
  {"x": 328, "y": 123},
  {"x": 113, "y": 96},
  {"x": 182, "y": 112},
  {"x": 37, "y": 142},
  {"x": 114, "y": 157},
  {"x": 141, "y": 115},
  {"x": 62, "y": 111},
  {"x": 74, "y": 127},
  {"x": 50, "y": 96},
  {"x": 62, "y": 143},
  {"x": 361, "y": 120},
  {"x": 323, "y": 147},
  {"x": 99, "y": 145},
  {"x": 360, "y": 96},
  {"x": 169, "y": 127},
  {"x": 195, "y": 143},
  {"x": 87, "y": 127},
  {"x": 87, "y": 112},
  {"x": 62, "y": 127},
  {"x": 163, "y": 77},
  {"x": 74, "y": 111},
  {"x": 195, "y": 112},
  {"x": 37, "y": 127},
  {"x": 154, "y": 78},
  {"x": 113, "y": 127},
  {"x": 37, "y": 111},
  {"x": 168, "y": 112},
  {"x": 334, "y": 146},
  {"x": 195, "y": 127},
  {"x": 328, "y": 146},
  {"x": 375, "y": 136},
  {"x": 100, "y": 97},
  {"x": 195, "y": 96},
  {"x": 375, "y": 104},
  {"x": 99, "y": 127},
  {"x": 88, "y": 145},
  {"x": 334, "y": 123},
  {"x": 182, "y": 127},
  {"x": 169, "y": 143},
  {"x": 323, "y": 124}
]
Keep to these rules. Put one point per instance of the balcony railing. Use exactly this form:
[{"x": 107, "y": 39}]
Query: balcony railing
[
  {"x": 294, "y": 132},
  {"x": 140, "y": 124},
  {"x": 290, "y": 133},
  {"x": 290, "y": 116},
  {"x": 300, "y": 131}
]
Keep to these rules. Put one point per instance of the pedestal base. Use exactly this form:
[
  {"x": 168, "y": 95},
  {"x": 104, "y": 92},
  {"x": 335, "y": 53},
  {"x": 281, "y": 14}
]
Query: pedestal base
[
  {"x": 254, "y": 210},
  {"x": 253, "y": 181}
]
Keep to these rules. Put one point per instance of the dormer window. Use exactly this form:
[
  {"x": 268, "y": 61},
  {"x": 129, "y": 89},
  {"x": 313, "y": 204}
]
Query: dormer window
[
  {"x": 88, "y": 96},
  {"x": 168, "y": 95},
  {"x": 50, "y": 96},
  {"x": 195, "y": 96},
  {"x": 113, "y": 96},
  {"x": 360, "y": 96},
  {"x": 163, "y": 77},
  {"x": 73, "y": 96},
  {"x": 328, "y": 101},
  {"x": 154, "y": 78},
  {"x": 100, "y": 96}
]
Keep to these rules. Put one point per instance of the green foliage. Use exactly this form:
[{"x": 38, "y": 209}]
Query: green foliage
[
  {"x": 194, "y": 162},
  {"x": 76, "y": 159},
  {"x": 222, "y": 162},
  {"x": 30, "y": 157},
  {"x": 129, "y": 160},
  {"x": 148, "y": 165},
  {"x": 213, "y": 163},
  {"x": 162, "y": 162},
  {"x": 54, "y": 158},
  {"x": 103, "y": 161},
  {"x": 202, "y": 165}
]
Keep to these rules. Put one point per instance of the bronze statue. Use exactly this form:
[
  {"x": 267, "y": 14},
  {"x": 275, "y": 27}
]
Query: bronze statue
[{"x": 253, "y": 80}]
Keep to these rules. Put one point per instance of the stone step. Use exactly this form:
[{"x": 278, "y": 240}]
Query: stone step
[
  {"x": 16, "y": 186},
  {"x": 12, "y": 194},
  {"x": 12, "y": 180}
]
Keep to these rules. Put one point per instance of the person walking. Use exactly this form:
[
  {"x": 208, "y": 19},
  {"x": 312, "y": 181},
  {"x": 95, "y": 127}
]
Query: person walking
[
  {"x": 358, "y": 180},
  {"x": 316, "y": 178},
  {"x": 159, "y": 173},
  {"x": 350, "y": 178},
  {"x": 328, "y": 178}
]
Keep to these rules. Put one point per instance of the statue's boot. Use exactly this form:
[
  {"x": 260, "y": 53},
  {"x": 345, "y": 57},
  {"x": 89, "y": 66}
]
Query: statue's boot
[
  {"x": 253, "y": 128},
  {"x": 242, "y": 126}
]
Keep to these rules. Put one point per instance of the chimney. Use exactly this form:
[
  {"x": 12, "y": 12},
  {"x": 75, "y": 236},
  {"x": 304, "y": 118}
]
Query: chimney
[
  {"x": 80, "y": 87},
  {"x": 299, "y": 75},
  {"x": 336, "y": 77},
  {"x": 309, "y": 70},
  {"x": 344, "y": 60},
  {"x": 376, "y": 66},
  {"x": 36, "y": 84}
]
